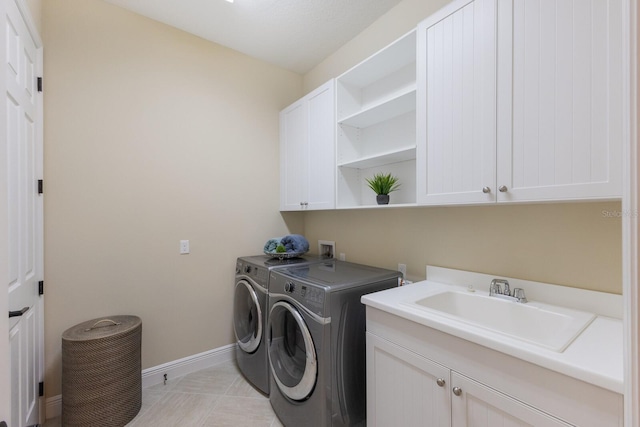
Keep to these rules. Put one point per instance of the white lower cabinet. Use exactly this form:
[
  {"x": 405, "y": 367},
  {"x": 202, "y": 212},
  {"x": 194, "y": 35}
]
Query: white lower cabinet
[
  {"x": 475, "y": 405},
  {"x": 406, "y": 389}
]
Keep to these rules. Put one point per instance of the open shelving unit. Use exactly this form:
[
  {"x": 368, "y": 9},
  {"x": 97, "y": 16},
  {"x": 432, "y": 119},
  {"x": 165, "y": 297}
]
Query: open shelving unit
[{"x": 376, "y": 124}]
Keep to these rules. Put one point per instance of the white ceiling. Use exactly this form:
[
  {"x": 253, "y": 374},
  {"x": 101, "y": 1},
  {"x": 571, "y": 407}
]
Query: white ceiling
[{"x": 294, "y": 34}]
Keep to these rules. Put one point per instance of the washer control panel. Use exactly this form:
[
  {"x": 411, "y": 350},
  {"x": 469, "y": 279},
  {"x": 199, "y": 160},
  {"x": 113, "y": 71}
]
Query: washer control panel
[
  {"x": 259, "y": 274},
  {"x": 310, "y": 296}
]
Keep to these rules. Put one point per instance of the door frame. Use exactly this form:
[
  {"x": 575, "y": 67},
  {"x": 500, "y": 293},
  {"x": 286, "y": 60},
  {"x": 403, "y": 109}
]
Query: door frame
[
  {"x": 5, "y": 385},
  {"x": 630, "y": 230}
]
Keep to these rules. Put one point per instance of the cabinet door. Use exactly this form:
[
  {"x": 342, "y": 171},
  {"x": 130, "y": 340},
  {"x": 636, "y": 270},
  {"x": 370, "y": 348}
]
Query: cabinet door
[
  {"x": 294, "y": 154},
  {"x": 402, "y": 387},
  {"x": 476, "y": 405},
  {"x": 321, "y": 154},
  {"x": 560, "y": 99},
  {"x": 456, "y": 104},
  {"x": 307, "y": 152}
]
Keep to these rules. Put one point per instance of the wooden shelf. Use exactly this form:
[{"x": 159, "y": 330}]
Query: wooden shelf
[
  {"x": 389, "y": 206},
  {"x": 392, "y": 58},
  {"x": 383, "y": 110},
  {"x": 393, "y": 156}
]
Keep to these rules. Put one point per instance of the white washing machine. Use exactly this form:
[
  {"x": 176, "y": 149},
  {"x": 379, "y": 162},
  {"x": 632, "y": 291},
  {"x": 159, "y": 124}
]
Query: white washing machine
[
  {"x": 250, "y": 313},
  {"x": 317, "y": 343}
]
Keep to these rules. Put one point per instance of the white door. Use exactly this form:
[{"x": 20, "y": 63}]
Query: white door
[
  {"x": 23, "y": 117},
  {"x": 560, "y": 99},
  {"x": 456, "y": 104}
]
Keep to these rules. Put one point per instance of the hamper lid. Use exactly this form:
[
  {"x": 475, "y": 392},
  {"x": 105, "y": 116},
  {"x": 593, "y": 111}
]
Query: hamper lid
[{"x": 101, "y": 327}]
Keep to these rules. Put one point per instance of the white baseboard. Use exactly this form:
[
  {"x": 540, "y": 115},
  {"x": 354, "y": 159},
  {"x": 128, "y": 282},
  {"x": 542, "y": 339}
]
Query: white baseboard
[
  {"x": 187, "y": 365},
  {"x": 53, "y": 407},
  {"x": 155, "y": 375}
]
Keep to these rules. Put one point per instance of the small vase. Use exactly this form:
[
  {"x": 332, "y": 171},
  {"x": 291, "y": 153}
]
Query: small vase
[{"x": 382, "y": 199}]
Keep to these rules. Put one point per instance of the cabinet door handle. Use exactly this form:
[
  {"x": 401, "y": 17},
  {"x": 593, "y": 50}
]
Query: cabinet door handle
[
  {"x": 457, "y": 391},
  {"x": 503, "y": 189},
  {"x": 440, "y": 382},
  {"x": 486, "y": 190}
]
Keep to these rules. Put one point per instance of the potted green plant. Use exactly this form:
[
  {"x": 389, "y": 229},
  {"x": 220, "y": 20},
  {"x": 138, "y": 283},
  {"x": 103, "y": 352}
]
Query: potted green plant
[{"x": 383, "y": 184}]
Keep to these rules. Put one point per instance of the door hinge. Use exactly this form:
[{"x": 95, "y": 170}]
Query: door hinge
[
  {"x": 39, "y": 84},
  {"x": 41, "y": 287},
  {"x": 41, "y": 389},
  {"x": 40, "y": 186}
]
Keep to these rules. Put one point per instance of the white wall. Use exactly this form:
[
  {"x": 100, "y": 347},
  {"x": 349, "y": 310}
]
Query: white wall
[{"x": 153, "y": 135}]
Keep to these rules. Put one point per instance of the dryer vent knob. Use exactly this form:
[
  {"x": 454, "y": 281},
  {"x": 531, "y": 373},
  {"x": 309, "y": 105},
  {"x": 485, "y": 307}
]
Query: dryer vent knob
[{"x": 289, "y": 287}]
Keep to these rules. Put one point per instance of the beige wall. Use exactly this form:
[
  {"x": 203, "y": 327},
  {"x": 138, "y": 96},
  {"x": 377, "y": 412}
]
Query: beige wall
[
  {"x": 575, "y": 245},
  {"x": 152, "y": 136},
  {"x": 569, "y": 244}
]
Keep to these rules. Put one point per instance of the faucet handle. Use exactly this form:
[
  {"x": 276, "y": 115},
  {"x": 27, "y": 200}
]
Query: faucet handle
[
  {"x": 495, "y": 288},
  {"x": 507, "y": 289},
  {"x": 518, "y": 293}
]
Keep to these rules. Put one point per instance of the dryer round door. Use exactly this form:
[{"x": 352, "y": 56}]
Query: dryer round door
[
  {"x": 292, "y": 354},
  {"x": 247, "y": 317}
]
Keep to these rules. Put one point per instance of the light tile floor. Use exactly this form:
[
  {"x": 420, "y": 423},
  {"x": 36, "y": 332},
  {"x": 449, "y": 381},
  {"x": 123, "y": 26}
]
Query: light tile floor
[{"x": 217, "y": 396}]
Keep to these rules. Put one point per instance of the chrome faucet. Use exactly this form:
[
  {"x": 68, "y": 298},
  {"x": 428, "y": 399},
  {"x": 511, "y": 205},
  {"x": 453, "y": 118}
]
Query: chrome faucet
[{"x": 495, "y": 290}]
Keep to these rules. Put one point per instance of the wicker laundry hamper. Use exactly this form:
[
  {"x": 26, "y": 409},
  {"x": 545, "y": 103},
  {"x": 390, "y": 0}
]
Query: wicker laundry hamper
[{"x": 101, "y": 372}]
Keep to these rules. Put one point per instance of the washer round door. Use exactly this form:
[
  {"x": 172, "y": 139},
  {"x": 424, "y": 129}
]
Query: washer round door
[
  {"x": 247, "y": 317},
  {"x": 292, "y": 354}
]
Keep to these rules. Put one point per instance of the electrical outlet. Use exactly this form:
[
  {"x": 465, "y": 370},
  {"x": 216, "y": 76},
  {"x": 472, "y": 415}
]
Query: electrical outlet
[
  {"x": 342, "y": 257},
  {"x": 402, "y": 268},
  {"x": 184, "y": 247}
]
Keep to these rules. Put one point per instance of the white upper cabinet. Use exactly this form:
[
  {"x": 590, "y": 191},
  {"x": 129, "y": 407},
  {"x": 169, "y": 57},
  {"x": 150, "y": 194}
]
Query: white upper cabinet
[
  {"x": 456, "y": 128},
  {"x": 560, "y": 99},
  {"x": 520, "y": 100},
  {"x": 307, "y": 152},
  {"x": 376, "y": 124}
]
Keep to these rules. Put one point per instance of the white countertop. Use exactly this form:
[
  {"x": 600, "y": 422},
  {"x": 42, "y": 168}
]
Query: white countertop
[{"x": 595, "y": 356}]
